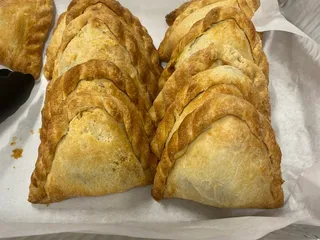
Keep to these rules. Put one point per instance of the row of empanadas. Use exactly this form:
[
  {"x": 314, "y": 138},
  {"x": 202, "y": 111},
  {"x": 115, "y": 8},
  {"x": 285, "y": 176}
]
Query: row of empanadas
[
  {"x": 214, "y": 138},
  {"x": 96, "y": 129},
  {"x": 199, "y": 130}
]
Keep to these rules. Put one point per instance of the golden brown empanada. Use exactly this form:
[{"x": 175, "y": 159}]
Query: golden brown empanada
[
  {"x": 108, "y": 40},
  {"x": 128, "y": 38},
  {"x": 194, "y": 12},
  {"x": 24, "y": 26},
  {"x": 222, "y": 154},
  {"x": 248, "y": 6},
  {"x": 97, "y": 73},
  {"x": 107, "y": 128},
  {"x": 201, "y": 87},
  {"x": 210, "y": 57},
  {"x": 78, "y": 7},
  {"x": 224, "y": 25}
]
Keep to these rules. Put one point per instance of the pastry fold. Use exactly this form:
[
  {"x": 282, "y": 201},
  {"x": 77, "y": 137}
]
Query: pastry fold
[
  {"x": 109, "y": 41},
  {"x": 223, "y": 153},
  {"x": 96, "y": 129},
  {"x": 188, "y": 15},
  {"x": 214, "y": 138},
  {"x": 78, "y": 7},
  {"x": 208, "y": 58},
  {"x": 95, "y": 145},
  {"x": 201, "y": 87},
  {"x": 24, "y": 26},
  {"x": 248, "y": 6},
  {"x": 222, "y": 25},
  {"x": 96, "y": 73}
]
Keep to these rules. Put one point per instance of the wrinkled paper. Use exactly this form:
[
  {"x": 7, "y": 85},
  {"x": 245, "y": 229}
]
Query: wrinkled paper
[{"x": 294, "y": 90}]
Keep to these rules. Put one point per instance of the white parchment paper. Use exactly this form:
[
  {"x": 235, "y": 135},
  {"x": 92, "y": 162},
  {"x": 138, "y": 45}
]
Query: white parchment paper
[{"x": 294, "y": 89}]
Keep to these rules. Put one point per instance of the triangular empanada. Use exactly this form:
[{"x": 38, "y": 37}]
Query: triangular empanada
[
  {"x": 24, "y": 26},
  {"x": 107, "y": 36},
  {"x": 222, "y": 154},
  {"x": 78, "y": 7},
  {"x": 210, "y": 57},
  {"x": 248, "y": 6},
  {"x": 107, "y": 128},
  {"x": 196, "y": 11},
  {"x": 201, "y": 87},
  {"x": 222, "y": 25},
  {"x": 95, "y": 72}
]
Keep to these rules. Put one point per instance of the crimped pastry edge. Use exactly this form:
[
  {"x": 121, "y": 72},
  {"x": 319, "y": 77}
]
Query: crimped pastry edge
[
  {"x": 200, "y": 119},
  {"x": 58, "y": 127}
]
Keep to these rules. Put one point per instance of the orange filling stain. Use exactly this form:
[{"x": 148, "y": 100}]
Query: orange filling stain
[
  {"x": 14, "y": 141},
  {"x": 17, "y": 153},
  {"x": 31, "y": 131}
]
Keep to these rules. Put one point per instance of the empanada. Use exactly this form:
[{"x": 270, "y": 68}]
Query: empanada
[
  {"x": 201, "y": 87},
  {"x": 95, "y": 72},
  {"x": 78, "y": 7},
  {"x": 193, "y": 13},
  {"x": 210, "y": 57},
  {"x": 222, "y": 154},
  {"x": 224, "y": 25},
  {"x": 107, "y": 128},
  {"x": 24, "y": 26},
  {"x": 248, "y": 6},
  {"x": 107, "y": 37}
]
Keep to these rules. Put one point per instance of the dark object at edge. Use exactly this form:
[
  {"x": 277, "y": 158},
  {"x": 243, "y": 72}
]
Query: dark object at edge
[{"x": 15, "y": 89}]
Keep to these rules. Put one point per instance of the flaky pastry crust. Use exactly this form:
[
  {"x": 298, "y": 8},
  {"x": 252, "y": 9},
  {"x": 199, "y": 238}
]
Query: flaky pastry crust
[
  {"x": 59, "y": 90},
  {"x": 54, "y": 45},
  {"x": 248, "y": 6},
  {"x": 77, "y": 7},
  {"x": 117, "y": 35},
  {"x": 210, "y": 57},
  {"x": 269, "y": 190},
  {"x": 76, "y": 105},
  {"x": 196, "y": 11},
  {"x": 222, "y": 79},
  {"x": 24, "y": 26},
  {"x": 215, "y": 16}
]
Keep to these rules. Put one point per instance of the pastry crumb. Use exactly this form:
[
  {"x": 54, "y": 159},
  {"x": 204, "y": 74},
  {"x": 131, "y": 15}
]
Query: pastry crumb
[
  {"x": 13, "y": 141},
  {"x": 17, "y": 153},
  {"x": 31, "y": 131},
  {"x": 39, "y": 131}
]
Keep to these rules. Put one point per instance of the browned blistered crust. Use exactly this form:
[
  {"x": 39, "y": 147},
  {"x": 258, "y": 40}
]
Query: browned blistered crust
[
  {"x": 200, "y": 120},
  {"x": 27, "y": 25},
  {"x": 214, "y": 16},
  {"x": 171, "y": 17},
  {"x": 201, "y": 61}
]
